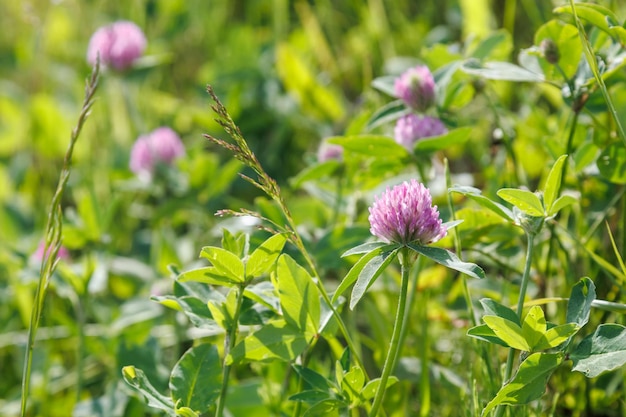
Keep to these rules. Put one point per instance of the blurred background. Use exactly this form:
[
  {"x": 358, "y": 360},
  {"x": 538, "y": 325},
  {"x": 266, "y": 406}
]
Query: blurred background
[{"x": 291, "y": 73}]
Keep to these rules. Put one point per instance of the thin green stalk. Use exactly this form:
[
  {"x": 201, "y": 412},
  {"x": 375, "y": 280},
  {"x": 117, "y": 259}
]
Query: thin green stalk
[
  {"x": 264, "y": 182},
  {"x": 306, "y": 357},
  {"x": 80, "y": 349},
  {"x": 568, "y": 151},
  {"x": 520, "y": 306},
  {"x": 424, "y": 359},
  {"x": 466, "y": 292},
  {"x": 410, "y": 302},
  {"x": 593, "y": 64},
  {"x": 54, "y": 231},
  {"x": 339, "y": 197},
  {"x": 229, "y": 342},
  {"x": 394, "y": 346}
]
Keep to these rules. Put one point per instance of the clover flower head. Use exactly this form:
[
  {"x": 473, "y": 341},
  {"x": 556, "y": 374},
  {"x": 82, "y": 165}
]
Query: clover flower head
[
  {"x": 416, "y": 88},
  {"x": 163, "y": 145},
  {"x": 405, "y": 214},
  {"x": 329, "y": 152},
  {"x": 63, "y": 253},
  {"x": 411, "y": 127},
  {"x": 119, "y": 45},
  {"x": 166, "y": 145}
]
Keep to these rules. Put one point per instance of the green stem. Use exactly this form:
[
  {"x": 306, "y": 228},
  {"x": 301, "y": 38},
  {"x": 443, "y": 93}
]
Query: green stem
[
  {"x": 520, "y": 306},
  {"x": 425, "y": 376},
  {"x": 229, "y": 342},
  {"x": 338, "y": 198},
  {"x": 410, "y": 302},
  {"x": 306, "y": 357},
  {"x": 270, "y": 187},
  {"x": 80, "y": 350},
  {"x": 54, "y": 232},
  {"x": 593, "y": 64},
  {"x": 394, "y": 346},
  {"x": 466, "y": 293},
  {"x": 320, "y": 285}
]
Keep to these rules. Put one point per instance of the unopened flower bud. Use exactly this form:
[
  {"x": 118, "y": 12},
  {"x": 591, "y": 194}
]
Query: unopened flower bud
[
  {"x": 329, "y": 152},
  {"x": 550, "y": 50}
]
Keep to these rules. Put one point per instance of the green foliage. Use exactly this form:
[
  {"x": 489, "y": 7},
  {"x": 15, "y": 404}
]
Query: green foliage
[
  {"x": 529, "y": 382},
  {"x": 602, "y": 351},
  {"x": 196, "y": 379},
  {"x": 532, "y": 95}
]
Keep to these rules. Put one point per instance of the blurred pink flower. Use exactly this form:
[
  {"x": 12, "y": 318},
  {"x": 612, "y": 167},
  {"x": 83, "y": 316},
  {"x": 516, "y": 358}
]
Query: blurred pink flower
[
  {"x": 416, "y": 87},
  {"x": 405, "y": 214},
  {"x": 162, "y": 145},
  {"x": 410, "y": 128},
  {"x": 329, "y": 151},
  {"x": 119, "y": 45},
  {"x": 63, "y": 253}
]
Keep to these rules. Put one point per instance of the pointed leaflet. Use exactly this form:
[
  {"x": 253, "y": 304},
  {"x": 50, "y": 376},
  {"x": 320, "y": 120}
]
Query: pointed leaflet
[
  {"x": 524, "y": 200},
  {"x": 225, "y": 262},
  {"x": 326, "y": 408},
  {"x": 553, "y": 183},
  {"x": 275, "y": 340},
  {"x": 370, "y": 272},
  {"x": 556, "y": 335},
  {"x": 449, "y": 260},
  {"x": 354, "y": 272},
  {"x": 236, "y": 244},
  {"x": 314, "y": 379},
  {"x": 138, "y": 380},
  {"x": 474, "y": 194},
  {"x": 223, "y": 311},
  {"x": 377, "y": 146},
  {"x": 494, "y": 308},
  {"x": 208, "y": 275},
  {"x": 369, "y": 390},
  {"x": 500, "y": 71},
  {"x": 529, "y": 383},
  {"x": 390, "y": 112},
  {"x": 484, "y": 333},
  {"x": 562, "y": 202},
  {"x": 364, "y": 248},
  {"x": 263, "y": 257},
  {"x": 299, "y": 297},
  {"x": 352, "y": 384},
  {"x": 435, "y": 143},
  {"x": 579, "y": 304},
  {"x": 534, "y": 326},
  {"x": 196, "y": 379},
  {"x": 508, "y": 331},
  {"x": 602, "y": 351},
  {"x": 311, "y": 396}
]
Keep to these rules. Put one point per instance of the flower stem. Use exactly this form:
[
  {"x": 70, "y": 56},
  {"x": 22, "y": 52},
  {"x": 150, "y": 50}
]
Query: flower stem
[
  {"x": 394, "y": 346},
  {"x": 229, "y": 342},
  {"x": 425, "y": 377},
  {"x": 520, "y": 306}
]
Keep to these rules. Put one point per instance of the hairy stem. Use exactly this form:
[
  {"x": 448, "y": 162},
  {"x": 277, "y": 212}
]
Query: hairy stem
[
  {"x": 424, "y": 359},
  {"x": 394, "y": 346}
]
